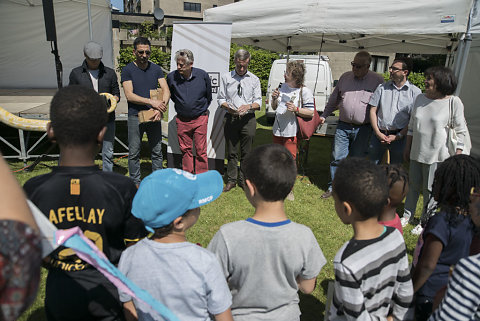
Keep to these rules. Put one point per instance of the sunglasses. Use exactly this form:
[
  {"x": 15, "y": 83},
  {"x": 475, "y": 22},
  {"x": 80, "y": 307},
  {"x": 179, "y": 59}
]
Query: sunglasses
[
  {"x": 141, "y": 52},
  {"x": 357, "y": 66},
  {"x": 395, "y": 68},
  {"x": 239, "y": 90}
]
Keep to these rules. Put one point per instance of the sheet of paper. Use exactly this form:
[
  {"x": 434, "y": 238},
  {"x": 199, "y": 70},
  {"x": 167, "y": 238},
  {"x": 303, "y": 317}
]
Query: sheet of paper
[
  {"x": 236, "y": 102},
  {"x": 282, "y": 107}
]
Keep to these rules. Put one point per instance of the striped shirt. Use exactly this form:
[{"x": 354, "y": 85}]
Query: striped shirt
[
  {"x": 372, "y": 279},
  {"x": 462, "y": 300}
]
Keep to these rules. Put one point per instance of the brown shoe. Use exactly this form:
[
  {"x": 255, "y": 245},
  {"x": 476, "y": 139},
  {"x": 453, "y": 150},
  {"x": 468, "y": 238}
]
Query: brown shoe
[
  {"x": 326, "y": 195},
  {"x": 229, "y": 186}
]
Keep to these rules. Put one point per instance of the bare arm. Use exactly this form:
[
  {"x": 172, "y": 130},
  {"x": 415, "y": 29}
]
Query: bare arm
[
  {"x": 374, "y": 122},
  {"x": 428, "y": 261},
  {"x": 130, "y": 311},
  {"x": 306, "y": 286},
  {"x": 166, "y": 91},
  {"x": 275, "y": 95},
  {"x": 13, "y": 199},
  {"x": 224, "y": 316}
]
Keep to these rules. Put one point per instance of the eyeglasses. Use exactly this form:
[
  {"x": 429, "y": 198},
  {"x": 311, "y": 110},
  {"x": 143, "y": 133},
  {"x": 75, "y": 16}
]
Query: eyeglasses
[
  {"x": 239, "y": 90},
  {"x": 141, "y": 52},
  {"x": 357, "y": 66},
  {"x": 395, "y": 69}
]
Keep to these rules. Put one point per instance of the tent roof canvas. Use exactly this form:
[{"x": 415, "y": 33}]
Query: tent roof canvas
[{"x": 410, "y": 26}]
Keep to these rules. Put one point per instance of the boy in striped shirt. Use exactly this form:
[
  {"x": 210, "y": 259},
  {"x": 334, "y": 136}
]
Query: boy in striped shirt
[{"x": 372, "y": 277}]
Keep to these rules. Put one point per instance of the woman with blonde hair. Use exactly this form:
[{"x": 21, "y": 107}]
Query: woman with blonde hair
[{"x": 292, "y": 98}]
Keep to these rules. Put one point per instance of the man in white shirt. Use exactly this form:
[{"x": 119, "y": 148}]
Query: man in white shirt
[{"x": 240, "y": 95}]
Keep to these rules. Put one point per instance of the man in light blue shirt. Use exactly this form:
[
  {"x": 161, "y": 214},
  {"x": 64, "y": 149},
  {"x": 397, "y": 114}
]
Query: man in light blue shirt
[
  {"x": 240, "y": 95},
  {"x": 390, "y": 108}
]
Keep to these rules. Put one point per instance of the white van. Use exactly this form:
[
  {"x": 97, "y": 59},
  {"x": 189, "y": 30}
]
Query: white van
[{"x": 318, "y": 78}]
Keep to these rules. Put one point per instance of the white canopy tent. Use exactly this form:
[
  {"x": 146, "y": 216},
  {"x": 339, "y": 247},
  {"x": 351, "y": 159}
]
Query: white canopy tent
[
  {"x": 409, "y": 26},
  {"x": 348, "y": 25},
  {"x": 26, "y": 60}
]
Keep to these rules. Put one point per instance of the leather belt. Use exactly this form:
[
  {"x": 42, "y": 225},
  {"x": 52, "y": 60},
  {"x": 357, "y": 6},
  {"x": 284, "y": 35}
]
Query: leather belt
[{"x": 390, "y": 132}]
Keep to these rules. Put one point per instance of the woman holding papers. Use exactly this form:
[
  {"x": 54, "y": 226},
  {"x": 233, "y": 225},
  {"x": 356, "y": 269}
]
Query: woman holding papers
[{"x": 290, "y": 99}]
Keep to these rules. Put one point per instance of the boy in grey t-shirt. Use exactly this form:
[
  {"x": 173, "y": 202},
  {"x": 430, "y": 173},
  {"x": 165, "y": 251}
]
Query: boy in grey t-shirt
[
  {"x": 185, "y": 277},
  {"x": 267, "y": 258}
]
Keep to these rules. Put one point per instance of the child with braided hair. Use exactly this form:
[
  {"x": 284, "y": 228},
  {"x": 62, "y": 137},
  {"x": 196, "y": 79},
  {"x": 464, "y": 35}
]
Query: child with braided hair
[
  {"x": 448, "y": 233},
  {"x": 397, "y": 190}
]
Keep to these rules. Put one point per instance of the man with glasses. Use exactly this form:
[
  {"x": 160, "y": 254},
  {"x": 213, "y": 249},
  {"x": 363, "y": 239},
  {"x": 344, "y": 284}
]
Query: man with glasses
[
  {"x": 191, "y": 90},
  {"x": 390, "y": 108},
  {"x": 351, "y": 97},
  {"x": 240, "y": 95},
  {"x": 93, "y": 74},
  {"x": 138, "y": 78}
]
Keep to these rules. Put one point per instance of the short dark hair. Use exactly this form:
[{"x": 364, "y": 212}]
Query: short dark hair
[
  {"x": 364, "y": 55},
  {"x": 161, "y": 232},
  {"x": 140, "y": 41},
  {"x": 77, "y": 115},
  {"x": 395, "y": 173},
  {"x": 406, "y": 64},
  {"x": 363, "y": 184},
  {"x": 445, "y": 80},
  {"x": 272, "y": 170},
  {"x": 452, "y": 182}
]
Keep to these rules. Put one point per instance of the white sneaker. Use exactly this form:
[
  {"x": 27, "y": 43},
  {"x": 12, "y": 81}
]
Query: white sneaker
[
  {"x": 404, "y": 221},
  {"x": 417, "y": 230}
]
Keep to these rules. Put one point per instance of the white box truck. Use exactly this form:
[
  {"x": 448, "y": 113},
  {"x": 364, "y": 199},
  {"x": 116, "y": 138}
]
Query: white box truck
[{"x": 318, "y": 78}]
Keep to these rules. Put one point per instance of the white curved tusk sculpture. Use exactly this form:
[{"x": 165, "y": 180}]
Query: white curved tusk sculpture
[{"x": 38, "y": 124}]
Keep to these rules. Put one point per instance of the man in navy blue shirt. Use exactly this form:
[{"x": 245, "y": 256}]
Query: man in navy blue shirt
[
  {"x": 191, "y": 91},
  {"x": 138, "y": 78}
]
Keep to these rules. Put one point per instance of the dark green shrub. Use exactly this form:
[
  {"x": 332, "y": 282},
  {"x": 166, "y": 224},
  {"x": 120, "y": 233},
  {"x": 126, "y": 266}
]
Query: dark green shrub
[
  {"x": 260, "y": 62},
  {"x": 159, "y": 57}
]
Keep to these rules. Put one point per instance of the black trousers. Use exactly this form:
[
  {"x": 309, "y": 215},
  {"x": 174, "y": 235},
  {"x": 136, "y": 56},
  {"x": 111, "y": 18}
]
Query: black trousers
[
  {"x": 81, "y": 295},
  {"x": 239, "y": 132}
]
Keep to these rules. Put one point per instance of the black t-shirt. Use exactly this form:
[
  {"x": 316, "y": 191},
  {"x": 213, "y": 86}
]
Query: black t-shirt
[{"x": 96, "y": 201}]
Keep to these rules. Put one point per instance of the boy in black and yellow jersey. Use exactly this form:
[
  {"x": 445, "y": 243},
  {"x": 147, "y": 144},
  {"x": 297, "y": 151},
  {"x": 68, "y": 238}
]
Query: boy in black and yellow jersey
[{"x": 78, "y": 193}]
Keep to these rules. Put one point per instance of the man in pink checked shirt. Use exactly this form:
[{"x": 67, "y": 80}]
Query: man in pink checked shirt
[{"x": 351, "y": 97}]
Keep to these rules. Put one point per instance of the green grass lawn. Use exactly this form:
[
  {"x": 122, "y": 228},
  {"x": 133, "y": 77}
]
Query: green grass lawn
[{"x": 308, "y": 209}]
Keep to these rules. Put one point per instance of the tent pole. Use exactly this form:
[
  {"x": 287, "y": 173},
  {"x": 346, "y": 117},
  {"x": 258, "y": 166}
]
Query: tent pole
[
  {"x": 90, "y": 20},
  {"x": 458, "y": 57},
  {"x": 288, "y": 48},
  {"x": 463, "y": 63}
]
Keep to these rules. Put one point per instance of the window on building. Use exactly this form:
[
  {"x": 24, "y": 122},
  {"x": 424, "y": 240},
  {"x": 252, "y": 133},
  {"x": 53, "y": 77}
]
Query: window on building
[
  {"x": 379, "y": 64},
  {"x": 192, "y": 6}
]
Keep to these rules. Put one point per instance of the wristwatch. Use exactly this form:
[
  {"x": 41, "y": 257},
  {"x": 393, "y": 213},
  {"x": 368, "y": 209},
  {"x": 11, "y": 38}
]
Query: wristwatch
[{"x": 398, "y": 136}]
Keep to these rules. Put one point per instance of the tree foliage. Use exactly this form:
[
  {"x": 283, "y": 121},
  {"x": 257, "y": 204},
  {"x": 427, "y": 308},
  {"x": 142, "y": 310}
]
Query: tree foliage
[
  {"x": 157, "y": 56},
  {"x": 260, "y": 62}
]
